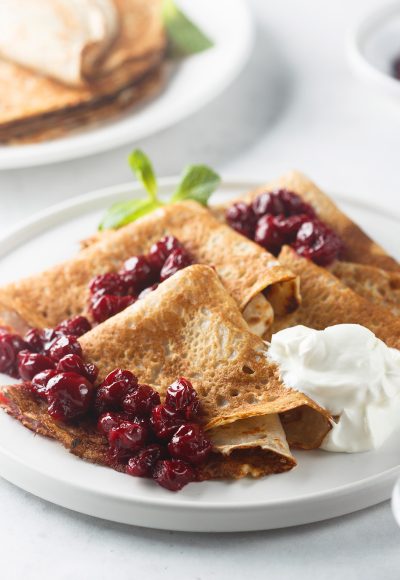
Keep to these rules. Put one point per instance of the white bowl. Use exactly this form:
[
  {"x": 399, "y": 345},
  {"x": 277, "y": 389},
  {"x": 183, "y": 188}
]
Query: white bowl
[{"x": 373, "y": 46}]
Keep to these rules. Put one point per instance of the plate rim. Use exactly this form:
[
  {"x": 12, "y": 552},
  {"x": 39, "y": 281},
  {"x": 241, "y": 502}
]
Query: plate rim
[
  {"x": 86, "y": 144},
  {"x": 63, "y": 211}
]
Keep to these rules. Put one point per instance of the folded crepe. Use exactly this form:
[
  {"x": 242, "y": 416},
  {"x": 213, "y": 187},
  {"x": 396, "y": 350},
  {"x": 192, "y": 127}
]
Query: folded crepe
[
  {"x": 327, "y": 301},
  {"x": 191, "y": 327},
  {"x": 63, "y": 39},
  {"x": 358, "y": 247},
  {"x": 245, "y": 269},
  {"x": 126, "y": 46},
  {"x": 382, "y": 287}
]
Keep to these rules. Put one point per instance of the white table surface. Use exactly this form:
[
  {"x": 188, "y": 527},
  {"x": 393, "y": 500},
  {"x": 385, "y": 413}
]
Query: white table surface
[{"x": 297, "y": 104}]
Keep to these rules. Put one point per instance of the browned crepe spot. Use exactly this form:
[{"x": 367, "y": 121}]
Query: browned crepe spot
[{"x": 62, "y": 291}]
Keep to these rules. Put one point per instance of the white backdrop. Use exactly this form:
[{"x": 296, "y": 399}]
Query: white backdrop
[{"x": 297, "y": 104}]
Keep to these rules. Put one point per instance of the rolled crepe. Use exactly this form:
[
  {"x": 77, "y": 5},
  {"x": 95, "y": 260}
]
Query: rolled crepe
[
  {"x": 191, "y": 327},
  {"x": 245, "y": 269},
  {"x": 327, "y": 301}
]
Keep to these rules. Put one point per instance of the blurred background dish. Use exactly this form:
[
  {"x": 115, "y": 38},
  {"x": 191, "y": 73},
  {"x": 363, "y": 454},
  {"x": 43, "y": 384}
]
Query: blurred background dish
[
  {"x": 171, "y": 89},
  {"x": 374, "y": 49}
]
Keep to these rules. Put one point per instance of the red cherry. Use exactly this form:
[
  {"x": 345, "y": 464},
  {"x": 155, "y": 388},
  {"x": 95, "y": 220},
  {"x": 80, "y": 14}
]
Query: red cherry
[
  {"x": 107, "y": 305},
  {"x": 190, "y": 444},
  {"x": 143, "y": 463},
  {"x": 72, "y": 363},
  {"x": 40, "y": 381},
  {"x": 126, "y": 439},
  {"x": 141, "y": 401},
  {"x": 69, "y": 396},
  {"x": 32, "y": 363},
  {"x": 76, "y": 326},
  {"x": 63, "y": 345},
  {"x": 181, "y": 396},
  {"x": 173, "y": 474},
  {"x": 165, "y": 422},
  {"x": 177, "y": 260},
  {"x": 109, "y": 283},
  {"x": 160, "y": 251},
  {"x": 113, "y": 389},
  {"x": 10, "y": 346}
]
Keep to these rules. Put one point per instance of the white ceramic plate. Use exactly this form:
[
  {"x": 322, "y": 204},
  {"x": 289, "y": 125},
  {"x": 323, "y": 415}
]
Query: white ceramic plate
[
  {"x": 324, "y": 485},
  {"x": 196, "y": 81},
  {"x": 373, "y": 46}
]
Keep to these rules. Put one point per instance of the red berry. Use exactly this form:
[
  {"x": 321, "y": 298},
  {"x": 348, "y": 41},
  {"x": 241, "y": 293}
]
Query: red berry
[
  {"x": 268, "y": 203},
  {"x": 190, "y": 444},
  {"x": 160, "y": 251},
  {"x": 293, "y": 203},
  {"x": 241, "y": 218},
  {"x": 176, "y": 261},
  {"x": 317, "y": 242},
  {"x": 138, "y": 273},
  {"x": 32, "y": 363},
  {"x": 126, "y": 439},
  {"x": 142, "y": 464},
  {"x": 108, "y": 305},
  {"x": 10, "y": 346},
  {"x": 35, "y": 338},
  {"x": 113, "y": 390},
  {"x": 63, "y": 345},
  {"x": 268, "y": 234},
  {"x": 110, "y": 283},
  {"x": 76, "y": 326},
  {"x": 289, "y": 226},
  {"x": 165, "y": 422},
  {"x": 69, "y": 396},
  {"x": 40, "y": 381},
  {"x": 181, "y": 396},
  {"x": 141, "y": 401},
  {"x": 173, "y": 474},
  {"x": 109, "y": 420},
  {"x": 72, "y": 363}
]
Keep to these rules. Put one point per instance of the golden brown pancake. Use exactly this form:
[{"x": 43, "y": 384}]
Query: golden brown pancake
[
  {"x": 327, "y": 301},
  {"x": 191, "y": 327},
  {"x": 29, "y": 99},
  {"x": 245, "y": 268},
  {"x": 382, "y": 287}
]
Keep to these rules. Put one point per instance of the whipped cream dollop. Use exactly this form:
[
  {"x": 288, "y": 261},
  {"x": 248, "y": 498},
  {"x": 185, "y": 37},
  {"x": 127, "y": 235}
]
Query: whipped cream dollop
[
  {"x": 349, "y": 371},
  {"x": 63, "y": 39}
]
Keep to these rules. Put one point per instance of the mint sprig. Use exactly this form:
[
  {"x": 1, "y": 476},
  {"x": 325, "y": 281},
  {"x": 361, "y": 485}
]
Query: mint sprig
[
  {"x": 197, "y": 183},
  {"x": 184, "y": 37}
]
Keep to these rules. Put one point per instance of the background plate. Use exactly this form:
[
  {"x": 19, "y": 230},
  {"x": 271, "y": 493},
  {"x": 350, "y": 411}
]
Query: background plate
[
  {"x": 324, "y": 485},
  {"x": 195, "y": 81}
]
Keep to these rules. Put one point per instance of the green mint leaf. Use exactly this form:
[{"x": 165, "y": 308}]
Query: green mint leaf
[
  {"x": 198, "y": 183},
  {"x": 184, "y": 36},
  {"x": 124, "y": 212},
  {"x": 143, "y": 169}
]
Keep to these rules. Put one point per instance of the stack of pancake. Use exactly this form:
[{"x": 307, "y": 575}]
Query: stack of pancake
[
  {"x": 64, "y": 64},
  {"x": 209, "y": 324}
]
